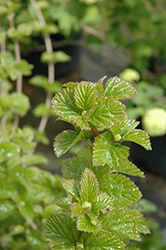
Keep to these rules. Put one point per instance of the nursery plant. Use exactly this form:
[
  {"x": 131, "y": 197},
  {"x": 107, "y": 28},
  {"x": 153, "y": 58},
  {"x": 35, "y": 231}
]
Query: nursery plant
[{"x": 101, "y": 210}]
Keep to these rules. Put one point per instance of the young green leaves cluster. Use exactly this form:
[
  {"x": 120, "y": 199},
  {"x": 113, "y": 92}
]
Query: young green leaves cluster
[{"x": 98, "y": 212}]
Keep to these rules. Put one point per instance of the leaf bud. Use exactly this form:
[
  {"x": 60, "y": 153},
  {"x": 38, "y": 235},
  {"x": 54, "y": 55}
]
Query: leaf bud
[
  {"x": 117, "y": 137},
  {"x": 79, "y": 245},
  {"x": 86, "y": 204}
]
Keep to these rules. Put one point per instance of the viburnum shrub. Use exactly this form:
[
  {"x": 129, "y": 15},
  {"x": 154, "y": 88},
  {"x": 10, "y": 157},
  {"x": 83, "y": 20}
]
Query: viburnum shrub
[{"x": 102, "y": 208}]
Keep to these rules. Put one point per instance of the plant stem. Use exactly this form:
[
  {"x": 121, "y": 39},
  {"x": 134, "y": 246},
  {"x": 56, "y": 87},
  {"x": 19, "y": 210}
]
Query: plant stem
[
  {"x": 20, "y": 76},
  {"x": 51, "y": 71}
]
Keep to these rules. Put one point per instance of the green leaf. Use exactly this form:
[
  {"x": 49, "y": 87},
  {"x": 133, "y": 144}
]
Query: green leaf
[
  {"x": 36, "y": 193},
  {"x": 85, "y": 153},
  {"x": 19, "y": 103},
  {"x": 119, "y": 88},
  {"x": 26, "y": 209},
  {"x": 73, "y": 168},
  {"x": 54, "y": 87},
  {"x": 122, "y": 190},
  {"x": 24, "y": 67},
  {"x": 7, "y": 207},
  {"x": 103, "y": 202},
  {"x": 102, "y": 174},
  {"x": 127, "y": 167},
  {"x": 103, "y": 241},
  {"x": 87, "y": 224},
  {"x": 50, "y": 28},
  {"x": 42, "y": 110},
  {"x": 8, "y": 150},
  {"x": 66, "y": 140},
  {"x": 63, "y": 104},
  {"x": 34, "y": 239},
  {"x": 85, "y": 95},
  {"x": 138, "y": 136},
  {"x": 77, "y": 209},
  {"x": 89, "y": 187},
  {"x": 59, "y": 230},
  {"x": 6, "y": 189},
  {"x": 105, "y": 151},
  {"x": 24, "y": 29},
  {"x": 139, "y": 221},
  {"x": 121, "y": 224},
  {"x": 64, "y": 203},
  {"x": 39, "y": 81},
  {"x": 55, "y": 57},
  {"x": 71, "y": 187}
]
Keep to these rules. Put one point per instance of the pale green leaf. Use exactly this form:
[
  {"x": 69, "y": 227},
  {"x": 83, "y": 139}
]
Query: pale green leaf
[
  {"x": 89, "y": 187},
  {"x": 106, "y": 151},
  {"x": 34, "y": 238},
  {"x": 122, "y": 190},
  {"x": 127, "y": 167},
  {"x": 24, "y": 67},
  {"x": 87, "y": 224},
  {"x": 39, "y": 81},
  {"x": 71, "y": 85},
  {"x": 71, "y": 187},
  {"x": 66, "y": 140},
  {"x": 6, "y": 188},
  {"x": 119, "y": 88},
  {"x": 85, "y": 95},
  {"x": 103, "y": 203},
  {"x": 64, "y": 203},
  {"x": 103, "y": 241},
  {"x": 121, "y": 224},
  {"x": 59, "y": 230},
  {"x": 42, "y": 110},
  {"x": 36, "y": 193},
  {"x": 7, "y": 207},
  {"x": 19, "y": 103},
  {"x": 138, "y": 136}
]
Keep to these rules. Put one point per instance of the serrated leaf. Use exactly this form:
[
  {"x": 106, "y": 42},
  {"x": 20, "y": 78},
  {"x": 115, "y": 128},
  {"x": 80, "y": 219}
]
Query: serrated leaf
[
  {"x": 73, "y": 168},
  {"x": 105, "y": 151},
  {"x": 71, "y": 187},
  {"x": 7, "y": 207},
  {"x": 121, "y": 224},
  {"x": 103, "y": 202},
  {"x": 85, "y": 153},
  {"x": 64, "y": 203},
  {"x": 65, "y": 140},
  {"x": 119, "y": 88},
  {"x": 77, "y": 209},
  {"x": 71, "y": 85},
  {"x": 85, "y": 95},
  {"x": 34, "y": 238},
  {"x": 85, "y": 223},
  {"x": 127, "y": 167},
  {"x": 122, "y": 190},
  {"x": 82, "y": 121},
  {"x": 138, "y": 136},
  {"x": 59, "y": 230},
  {"x": 6, "y": 189},
  {"x": 63, "y": 104},
  {"x": 139, "y": 221},
  {"x": 104, "y": 241},
  {"x": 89, "y": 187},
  {"x": 102, "y": 174}
]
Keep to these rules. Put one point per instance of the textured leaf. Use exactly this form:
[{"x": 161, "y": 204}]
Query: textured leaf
[
  {"x": 127, "y": 167},
  {"x": 87, "y": 224},
  {"x": 85, "y": 95},
  {"x": 34, "y": 159},
  {"x": 63, "y": 104},
  {"x": 71, "y": 187},
  {"x": 103, "y": 202},
  {"x": 82, "y": 121},
  {"x": 73, "y": 168},
  {"x": 139, "y": 221},
  {"x": 138, "y": 136},
  {"x": 66, "y": 140},
  {"x": 119, "y": 88},
  {"x": 105, "y": 151},
  {"x": 71, "y": 85},
  {"x": 85, "y": 153},
  {"x": 122, "y": 190},
  {"x": 59, "y": 230},
  {"x": 34, "y": 238},
  {"x": 64, "y": 203},
  {"x": 89, "y": 187},
  {"x": 102, "y": 174},
  {"x": 7, "y": 207},
  {"x": 121, "y": 224},
  {"x": 6, "y": 189},
  {"x": 77, "y": 209},
  {"x": 103, "y": 241}
]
